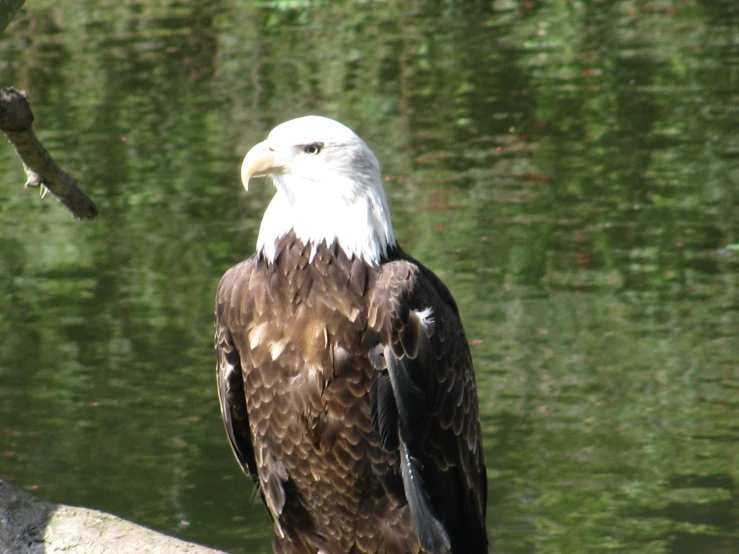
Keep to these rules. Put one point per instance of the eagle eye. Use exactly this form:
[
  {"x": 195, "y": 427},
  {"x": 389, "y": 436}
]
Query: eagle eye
[{"x": 313, "y": 148}]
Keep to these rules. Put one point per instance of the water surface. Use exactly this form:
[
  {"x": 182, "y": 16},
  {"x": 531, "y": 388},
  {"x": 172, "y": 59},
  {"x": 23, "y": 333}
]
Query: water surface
[{"x": 570, "y": 170}]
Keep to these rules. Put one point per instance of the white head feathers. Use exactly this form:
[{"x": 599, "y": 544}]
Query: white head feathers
[{"x": 328, "y": 185}]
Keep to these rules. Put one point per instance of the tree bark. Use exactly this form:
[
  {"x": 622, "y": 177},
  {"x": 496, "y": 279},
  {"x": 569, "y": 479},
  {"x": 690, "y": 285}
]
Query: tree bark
[
  {"x": 8, "y": 9},
  {"x": 16, "y": 121},
  {"x": 29, "y": 525}
]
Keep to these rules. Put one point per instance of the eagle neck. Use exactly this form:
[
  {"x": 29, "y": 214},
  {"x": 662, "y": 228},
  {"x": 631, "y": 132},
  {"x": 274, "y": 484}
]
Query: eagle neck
[{"x": 354, "y": 216}]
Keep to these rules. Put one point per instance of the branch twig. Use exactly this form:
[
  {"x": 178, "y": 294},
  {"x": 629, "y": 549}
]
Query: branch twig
[
  {"x": 8, "y": 9},
  {"x": 16, "y": 121}
]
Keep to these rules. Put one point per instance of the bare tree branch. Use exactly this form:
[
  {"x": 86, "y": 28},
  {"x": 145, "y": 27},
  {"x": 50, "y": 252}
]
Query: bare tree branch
[
  {"x": 16, "y": 120},
  {"x": 32, "y": 526},
  {"x": 8, "y": 9}
]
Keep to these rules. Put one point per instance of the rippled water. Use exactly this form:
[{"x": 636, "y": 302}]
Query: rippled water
[{"x": 569, "y": 169}]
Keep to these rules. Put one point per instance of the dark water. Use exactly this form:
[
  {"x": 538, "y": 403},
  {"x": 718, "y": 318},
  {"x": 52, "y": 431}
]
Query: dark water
[{"x": 571, "y": 170}]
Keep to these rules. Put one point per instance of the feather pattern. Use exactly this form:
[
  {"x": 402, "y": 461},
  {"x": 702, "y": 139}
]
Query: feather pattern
[
  {"x": 344, "y": 376},
  {"x": 343, "y": 429}
]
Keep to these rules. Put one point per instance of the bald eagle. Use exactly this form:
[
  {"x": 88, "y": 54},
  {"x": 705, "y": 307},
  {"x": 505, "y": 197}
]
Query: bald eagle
[{"x": 344, "y": 375}]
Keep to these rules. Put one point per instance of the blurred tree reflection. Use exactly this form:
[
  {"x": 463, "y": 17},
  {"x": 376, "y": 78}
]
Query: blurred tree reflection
[{"x": 569, "y": 169}]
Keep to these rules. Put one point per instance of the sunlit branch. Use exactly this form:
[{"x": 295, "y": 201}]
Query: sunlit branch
[{"x": 16, "y": 120}]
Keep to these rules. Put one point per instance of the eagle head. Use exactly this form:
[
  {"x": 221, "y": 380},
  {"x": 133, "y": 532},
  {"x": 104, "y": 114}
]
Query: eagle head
[{"x": 328, "y": 189}]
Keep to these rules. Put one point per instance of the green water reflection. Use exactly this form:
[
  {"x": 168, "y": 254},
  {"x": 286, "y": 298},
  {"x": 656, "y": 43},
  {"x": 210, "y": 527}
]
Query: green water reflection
[{"x": 571, "y": 170}]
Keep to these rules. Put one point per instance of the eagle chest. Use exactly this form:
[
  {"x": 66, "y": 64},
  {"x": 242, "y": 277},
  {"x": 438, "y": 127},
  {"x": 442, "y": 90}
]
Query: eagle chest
[{"x": 306, "y": 372}]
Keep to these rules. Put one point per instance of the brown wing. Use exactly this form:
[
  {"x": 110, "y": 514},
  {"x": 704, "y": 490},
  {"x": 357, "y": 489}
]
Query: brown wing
[
  {"x": 424, "y": 403},
  {"x": 229, "y": 374},
  {"x": 289, "y": 336}
]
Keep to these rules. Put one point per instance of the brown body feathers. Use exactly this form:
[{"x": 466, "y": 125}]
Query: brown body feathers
[{"x": 348, "y": 395}]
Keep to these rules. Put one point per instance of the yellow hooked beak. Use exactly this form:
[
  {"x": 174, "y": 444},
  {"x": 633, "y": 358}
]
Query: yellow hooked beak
[{"x": 261, "y": 160}]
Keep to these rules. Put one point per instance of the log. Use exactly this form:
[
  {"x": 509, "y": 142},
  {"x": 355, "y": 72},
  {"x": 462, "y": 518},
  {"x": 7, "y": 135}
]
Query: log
[
  {"x": 16, "y": 121},
  {"x": 29, "y": 525}
]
